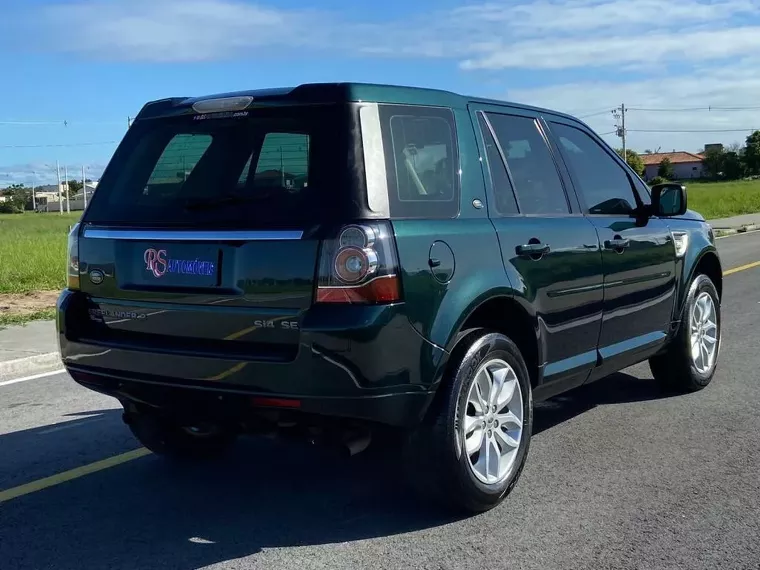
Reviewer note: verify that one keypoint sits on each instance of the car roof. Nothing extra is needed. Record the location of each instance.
(323, 93)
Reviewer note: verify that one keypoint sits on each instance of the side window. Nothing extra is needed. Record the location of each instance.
(178, 160)
(502, 187)
(536, 181)
(604, 184)
(422, 161)
(283, 162)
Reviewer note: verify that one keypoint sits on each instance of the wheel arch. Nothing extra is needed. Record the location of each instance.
(709, 264)
(506, 315)
(705, 262)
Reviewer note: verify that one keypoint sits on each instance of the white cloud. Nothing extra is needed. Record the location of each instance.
(544, 34)
(688, 52)
(39, 174)
(734, 85)
(644, 49)
(180, 30)
(542, 17)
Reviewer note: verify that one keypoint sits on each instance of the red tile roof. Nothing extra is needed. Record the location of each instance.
(675, 157)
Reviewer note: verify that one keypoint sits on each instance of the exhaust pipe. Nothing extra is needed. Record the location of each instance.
(355, 443)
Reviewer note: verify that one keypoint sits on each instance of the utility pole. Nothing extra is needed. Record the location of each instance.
(60, 188)
(66, 175)
(622, 113)
(619, 114)
(34, 200)
(84, 188)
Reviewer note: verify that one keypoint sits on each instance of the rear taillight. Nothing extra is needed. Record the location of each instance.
(360, 266)
(72, 271)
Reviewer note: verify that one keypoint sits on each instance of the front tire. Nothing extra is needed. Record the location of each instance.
(470, 451)
(164, 437)
(689, 363)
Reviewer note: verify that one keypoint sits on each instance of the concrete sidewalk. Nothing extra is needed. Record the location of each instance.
(33, 349)
(28, 349)
(748, 222)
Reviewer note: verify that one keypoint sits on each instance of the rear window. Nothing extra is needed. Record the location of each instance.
(422, 161)
(273, 167)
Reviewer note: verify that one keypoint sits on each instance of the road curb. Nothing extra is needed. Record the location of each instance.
(38, 363)
(722, 232)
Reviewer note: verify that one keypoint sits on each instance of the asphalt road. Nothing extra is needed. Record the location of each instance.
(618, 477)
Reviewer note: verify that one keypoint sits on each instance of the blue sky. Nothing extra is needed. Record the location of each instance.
(93, 63)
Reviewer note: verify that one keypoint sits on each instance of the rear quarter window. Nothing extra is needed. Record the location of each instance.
(422, 161)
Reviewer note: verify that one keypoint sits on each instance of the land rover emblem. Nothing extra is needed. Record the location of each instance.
(96, 276)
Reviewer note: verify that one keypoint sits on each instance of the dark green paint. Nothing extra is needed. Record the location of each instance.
(592, 310)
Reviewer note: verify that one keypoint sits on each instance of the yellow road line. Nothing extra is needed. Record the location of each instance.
(742, 268)
(237, 335)
(75, 473)
(229, 372)
(78, 472)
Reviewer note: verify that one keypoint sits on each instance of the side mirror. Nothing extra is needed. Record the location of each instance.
(668, 199)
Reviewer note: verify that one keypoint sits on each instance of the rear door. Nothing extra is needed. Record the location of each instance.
(203, 234)
(549, 249)
(638, 250)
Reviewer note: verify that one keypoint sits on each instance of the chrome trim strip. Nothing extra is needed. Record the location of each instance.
(191, 235)
(374, 158)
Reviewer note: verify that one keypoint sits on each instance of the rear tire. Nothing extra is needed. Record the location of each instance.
(689, 363)
(169, 439)
(466, 455)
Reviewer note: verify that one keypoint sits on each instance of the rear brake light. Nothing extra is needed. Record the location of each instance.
(275, 402)
(72, 270)
(222, 104)
(360, 266)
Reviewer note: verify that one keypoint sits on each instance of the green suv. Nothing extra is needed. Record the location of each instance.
(343, 262)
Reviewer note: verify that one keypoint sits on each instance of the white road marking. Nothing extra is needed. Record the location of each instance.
(34, 377)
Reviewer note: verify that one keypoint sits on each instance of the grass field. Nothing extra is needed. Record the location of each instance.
(33, 246)
(33, 251)
(724, 199)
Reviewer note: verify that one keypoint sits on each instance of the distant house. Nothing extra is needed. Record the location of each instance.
(49, 199)
(685, 164)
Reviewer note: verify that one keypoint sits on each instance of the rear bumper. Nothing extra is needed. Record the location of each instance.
(364, 363)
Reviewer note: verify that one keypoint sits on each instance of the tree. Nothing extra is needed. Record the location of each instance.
(633, 159)
(735, 147)
(666, 169)
(733, 166)
(75, 187)
(752, 153)
(16, 198)
(713, 163)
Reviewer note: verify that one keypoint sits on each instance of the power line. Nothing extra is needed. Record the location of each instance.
(15, 123)
(62, 122)
(692, 130)
(594, 114)
(56, 145)
(690, 109)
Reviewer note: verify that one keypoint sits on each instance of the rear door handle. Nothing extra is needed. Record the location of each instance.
(533, 249)
(616, 244)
